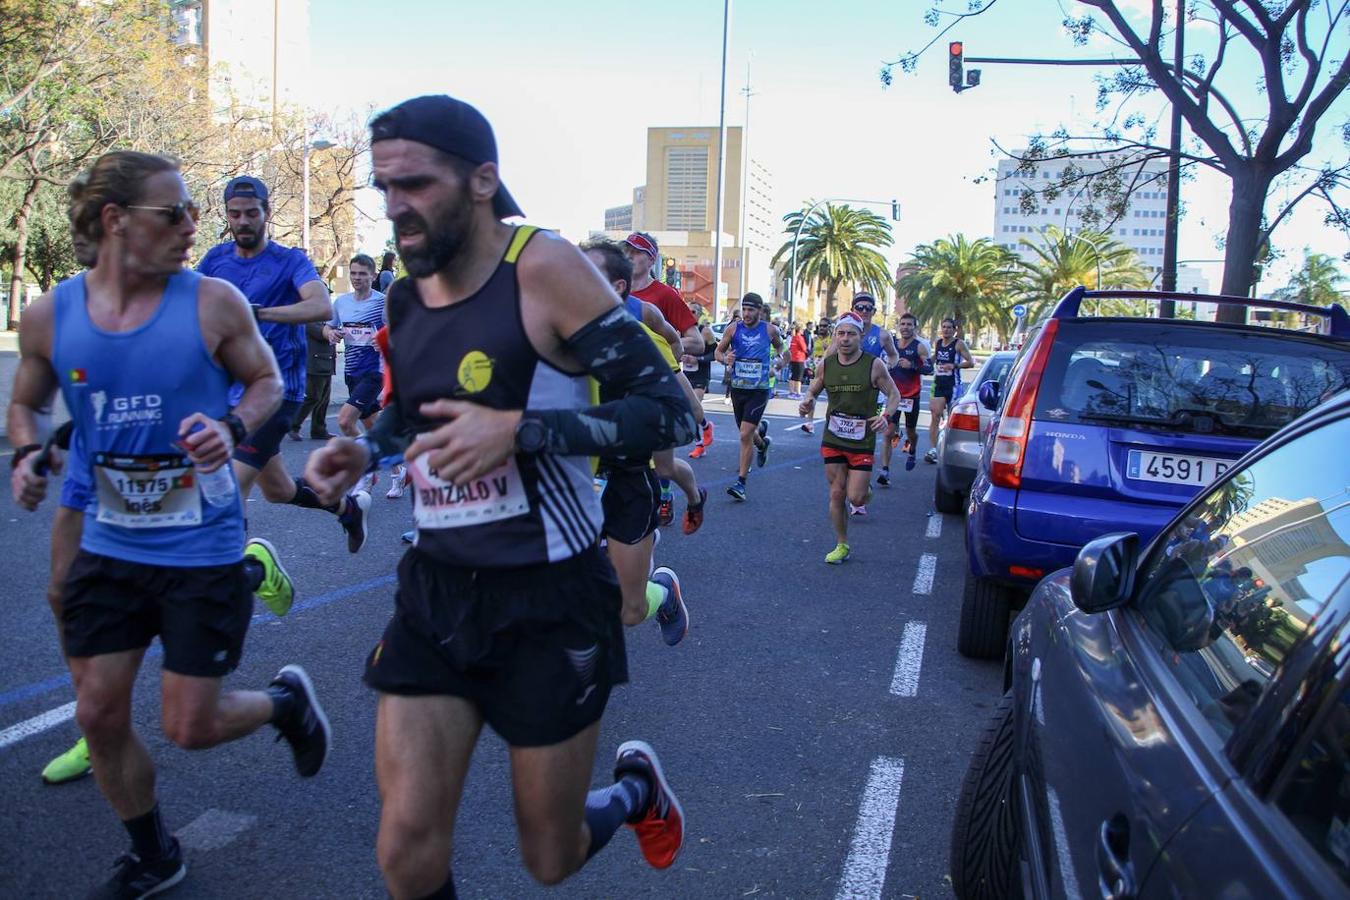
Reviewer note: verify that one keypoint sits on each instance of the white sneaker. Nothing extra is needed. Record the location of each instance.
(397, 481)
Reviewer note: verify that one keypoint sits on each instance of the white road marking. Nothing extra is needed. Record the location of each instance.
(214, 829)
(934, 526)
(865, 869)
(923, 581)
(905, 682)
(36, 725)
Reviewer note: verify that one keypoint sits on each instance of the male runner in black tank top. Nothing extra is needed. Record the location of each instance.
(507, 613)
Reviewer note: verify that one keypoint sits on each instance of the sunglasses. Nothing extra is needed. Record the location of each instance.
(174, 214)
(865, 308)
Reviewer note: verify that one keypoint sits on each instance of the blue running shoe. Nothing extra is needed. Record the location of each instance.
(763, 451)
(673, 616)
(737, 491)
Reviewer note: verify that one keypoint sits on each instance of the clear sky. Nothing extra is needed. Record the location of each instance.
(571, 88)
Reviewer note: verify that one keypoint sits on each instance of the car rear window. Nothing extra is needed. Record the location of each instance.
(1194, 379)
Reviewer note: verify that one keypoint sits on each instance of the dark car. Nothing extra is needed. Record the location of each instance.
(963, 435)
(1115, 423)
(1177, 720)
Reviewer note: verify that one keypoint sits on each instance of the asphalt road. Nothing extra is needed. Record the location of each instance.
(815, 723)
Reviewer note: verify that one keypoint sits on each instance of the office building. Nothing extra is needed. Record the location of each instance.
(257, 51)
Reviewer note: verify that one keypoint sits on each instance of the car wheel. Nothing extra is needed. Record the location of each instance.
(984, 619)
(946, 501)
(984, 836)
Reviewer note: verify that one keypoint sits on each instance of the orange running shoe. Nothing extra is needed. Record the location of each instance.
(693, 514)
(707, 432)
(660, 831)
(698, 451)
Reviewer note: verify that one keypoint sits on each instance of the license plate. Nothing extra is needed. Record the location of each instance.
(1174, 468)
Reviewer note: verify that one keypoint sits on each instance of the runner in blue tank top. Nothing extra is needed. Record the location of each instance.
(746, 348)
(285, 292)
(156, 558)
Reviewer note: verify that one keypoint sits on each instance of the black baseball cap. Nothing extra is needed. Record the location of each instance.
(451, 126)
(752, 299)
(245, 186)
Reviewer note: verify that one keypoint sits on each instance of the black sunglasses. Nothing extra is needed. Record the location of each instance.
(863, 307)
(174, 214)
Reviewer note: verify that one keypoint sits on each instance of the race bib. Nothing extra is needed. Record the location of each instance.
(906, 404)
(944, 368)
(747, 373)
(689, 366)
(146, 491)
(847, 428)
(500, 494)
(358, 334)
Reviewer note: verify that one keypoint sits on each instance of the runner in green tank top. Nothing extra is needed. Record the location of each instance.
(849, 440)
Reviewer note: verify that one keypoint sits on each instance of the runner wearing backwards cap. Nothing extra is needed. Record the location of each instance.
(851, 377)
(744, 350)
(285, 292)
(507, 613)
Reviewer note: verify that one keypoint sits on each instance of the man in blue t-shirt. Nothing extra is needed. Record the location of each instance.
(285, 292)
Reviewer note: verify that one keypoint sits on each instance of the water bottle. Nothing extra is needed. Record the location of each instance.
(218, 487)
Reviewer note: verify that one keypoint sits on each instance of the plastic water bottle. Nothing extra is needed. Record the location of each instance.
(218, 487)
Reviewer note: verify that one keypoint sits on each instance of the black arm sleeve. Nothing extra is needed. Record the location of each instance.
(652, 413)
(389, 436)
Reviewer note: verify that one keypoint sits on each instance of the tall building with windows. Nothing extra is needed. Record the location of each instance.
(257, 51)
(677, 204)
(1141, 227)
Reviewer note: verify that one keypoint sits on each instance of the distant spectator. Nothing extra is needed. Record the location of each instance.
(796, 362)
(386, 276)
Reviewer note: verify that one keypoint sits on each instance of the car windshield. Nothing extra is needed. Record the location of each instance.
(1188, 378)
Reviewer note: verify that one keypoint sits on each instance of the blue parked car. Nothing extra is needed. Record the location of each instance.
(1111, 423)
(1177, 715)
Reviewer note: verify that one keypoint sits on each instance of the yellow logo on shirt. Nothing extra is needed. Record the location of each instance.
(475, 371)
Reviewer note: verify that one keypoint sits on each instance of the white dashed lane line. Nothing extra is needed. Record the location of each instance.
(923, 580)
(905, 682)
(37, 724)
(870, 853)
(934, 525)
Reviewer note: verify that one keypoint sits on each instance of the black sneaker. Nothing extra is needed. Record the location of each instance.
(135, 877)
(306, 728)
(884, 479)
(764, 451)
(353, 520)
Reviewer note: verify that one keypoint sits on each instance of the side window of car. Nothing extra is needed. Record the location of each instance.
(1232, 587)
(1313, 791)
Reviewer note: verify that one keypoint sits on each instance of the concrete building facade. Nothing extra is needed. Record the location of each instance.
(257, 51)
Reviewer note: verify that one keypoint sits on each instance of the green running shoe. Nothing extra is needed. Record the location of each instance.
(276, 591)
(837, 555)
(72, 764)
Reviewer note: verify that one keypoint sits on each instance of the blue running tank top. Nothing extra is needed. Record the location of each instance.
(750, 370)
(871, 342)
(127, 392)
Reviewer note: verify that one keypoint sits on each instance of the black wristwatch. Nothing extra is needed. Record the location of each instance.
(21, 452)
(238, 430)
(530, 435)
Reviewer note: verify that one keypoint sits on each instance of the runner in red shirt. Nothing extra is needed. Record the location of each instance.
(797, 362)
(643, 253)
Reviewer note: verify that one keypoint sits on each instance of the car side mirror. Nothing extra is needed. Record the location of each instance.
(1103, 573)
(988, 394)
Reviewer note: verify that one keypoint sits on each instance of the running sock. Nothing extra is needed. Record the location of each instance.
(625, 800)
(445, 891)
(283, 703)
(307, 499)
(149, 838)
(656, 598)
(740, 479)
(253, 571)
(666, 493)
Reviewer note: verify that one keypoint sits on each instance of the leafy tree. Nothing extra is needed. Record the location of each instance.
(970, 281)
(838, 244)
(1257, 139)
(1316, 282)
(1065, 260)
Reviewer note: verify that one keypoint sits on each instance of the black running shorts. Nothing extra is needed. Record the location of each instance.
(363, 392)
(265, 442)
(631, 503)
(911, 418)
(201, 613)
(536, 649)
(748, 406)
(700, 379)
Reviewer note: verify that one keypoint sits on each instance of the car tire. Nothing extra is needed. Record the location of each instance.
(984, 851)
(983, 630)
(946, 501)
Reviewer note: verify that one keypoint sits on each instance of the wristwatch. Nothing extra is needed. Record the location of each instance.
(238, 430)
(530, 435)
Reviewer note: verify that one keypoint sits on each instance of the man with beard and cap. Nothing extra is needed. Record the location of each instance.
(744, 350)
(285, 292)
(851, 378)
(507, 612)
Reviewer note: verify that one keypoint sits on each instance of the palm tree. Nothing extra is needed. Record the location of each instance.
(838, 244)
(1315, 283)
(970, 281)
(1066, 260)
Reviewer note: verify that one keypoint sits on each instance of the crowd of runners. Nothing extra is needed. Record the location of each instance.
(529, 393)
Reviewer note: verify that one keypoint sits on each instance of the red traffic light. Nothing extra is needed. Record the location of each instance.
(955, 48)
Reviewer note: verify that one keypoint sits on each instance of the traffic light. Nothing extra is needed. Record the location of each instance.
(955, 58)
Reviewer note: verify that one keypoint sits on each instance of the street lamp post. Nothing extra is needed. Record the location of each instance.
(317, 144)
(797, 236)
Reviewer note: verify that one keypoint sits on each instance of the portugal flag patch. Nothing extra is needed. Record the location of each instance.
(77, 376)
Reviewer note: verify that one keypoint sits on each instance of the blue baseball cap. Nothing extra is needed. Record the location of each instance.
(245, 186)
(451, 126)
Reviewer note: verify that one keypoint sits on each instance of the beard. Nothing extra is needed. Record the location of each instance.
(248, 240)
(443, 240)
